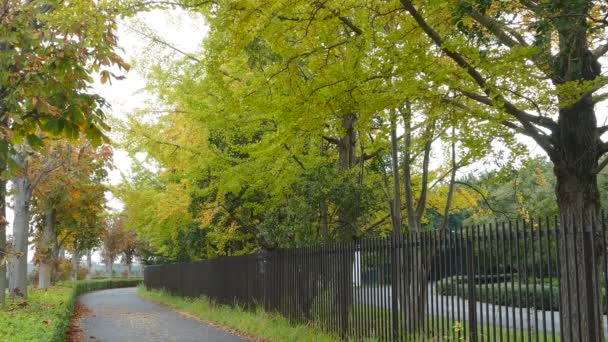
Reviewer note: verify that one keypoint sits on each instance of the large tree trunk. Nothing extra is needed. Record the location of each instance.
(20, 235)
(347, 148)
(347, 229)
(47, 251)
(575, 159)
(579, 202)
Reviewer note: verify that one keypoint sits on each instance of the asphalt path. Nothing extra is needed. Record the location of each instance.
(122, 316)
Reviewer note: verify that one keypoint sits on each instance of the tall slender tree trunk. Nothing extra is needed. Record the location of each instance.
(416, 272)
(89, 264)
(75, 264)
(47, 250)
(109, 268)
(396, 220)
(3, 222)
(21, 223)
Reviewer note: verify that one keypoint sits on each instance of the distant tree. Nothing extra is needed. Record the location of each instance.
(112, 242)
(49, 52)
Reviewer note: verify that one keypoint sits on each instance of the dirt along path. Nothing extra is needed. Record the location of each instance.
(119, 315)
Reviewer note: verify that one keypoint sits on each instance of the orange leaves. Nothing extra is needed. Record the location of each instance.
(75, 194)
(44, 107)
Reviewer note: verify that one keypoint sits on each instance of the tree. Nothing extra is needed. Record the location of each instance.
(130, 250)
(25, 180)
(48, 53)
(549, 94)
(112, 243)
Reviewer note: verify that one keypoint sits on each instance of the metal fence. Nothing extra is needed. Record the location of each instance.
(495, 282)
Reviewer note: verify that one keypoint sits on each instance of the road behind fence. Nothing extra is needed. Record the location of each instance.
(496, 282)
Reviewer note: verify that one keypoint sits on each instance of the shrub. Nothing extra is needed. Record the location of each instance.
(542, 295)
(46, 314)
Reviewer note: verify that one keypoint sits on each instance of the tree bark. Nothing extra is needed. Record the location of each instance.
(579, 203)
(109, 268)
(575, 160)
(47, 251)
(20, 232)
(75, 264)
(3, 255)
(347, 147)
(89, 264)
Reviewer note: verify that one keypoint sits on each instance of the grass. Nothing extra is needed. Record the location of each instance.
(259, 323)
(46, 314)
(442, 329)
(274, 327)
(38, 318)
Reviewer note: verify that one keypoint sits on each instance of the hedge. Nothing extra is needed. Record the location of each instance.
(541, 296)
(46, 314)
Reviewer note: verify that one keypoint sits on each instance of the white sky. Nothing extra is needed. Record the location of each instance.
(184, 31)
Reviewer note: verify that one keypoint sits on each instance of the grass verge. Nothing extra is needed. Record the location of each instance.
(45, 315)
(259, 323)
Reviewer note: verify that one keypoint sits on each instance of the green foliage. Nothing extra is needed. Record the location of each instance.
(49, 52)
(46, 314)
(541, 295)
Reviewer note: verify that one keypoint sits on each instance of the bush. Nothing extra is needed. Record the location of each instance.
(46, 314)
(516, 293)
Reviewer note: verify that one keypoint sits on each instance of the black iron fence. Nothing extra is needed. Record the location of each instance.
(518, 281)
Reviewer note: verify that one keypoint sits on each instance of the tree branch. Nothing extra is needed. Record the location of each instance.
(497, 100)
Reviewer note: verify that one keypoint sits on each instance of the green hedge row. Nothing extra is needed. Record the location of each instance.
(541, 296)
(45, 316)
(78, 288)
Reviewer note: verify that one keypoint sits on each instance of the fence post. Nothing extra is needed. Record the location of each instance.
(343, 258)
(395, 267)
(471, 290)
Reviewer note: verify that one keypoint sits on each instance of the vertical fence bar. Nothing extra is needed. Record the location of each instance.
(441, 279)
(463, 282)
(543, 305)
(550, 273)
(450, 282)
(470, 256)
(394, 287)
(527, 278)
(483, 283)
(604, 246)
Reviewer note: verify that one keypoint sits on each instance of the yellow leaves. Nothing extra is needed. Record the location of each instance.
(75, 194)
(105, 76)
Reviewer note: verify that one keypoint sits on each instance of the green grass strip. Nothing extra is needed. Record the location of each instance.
(259, 323)
(45, 316)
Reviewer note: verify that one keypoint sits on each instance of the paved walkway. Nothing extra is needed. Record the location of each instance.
(120, 315)
(456, 308)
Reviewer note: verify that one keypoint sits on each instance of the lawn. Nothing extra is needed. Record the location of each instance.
(45, 315)
(259, 323)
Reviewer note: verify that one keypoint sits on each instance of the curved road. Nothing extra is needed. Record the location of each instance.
(120, 315)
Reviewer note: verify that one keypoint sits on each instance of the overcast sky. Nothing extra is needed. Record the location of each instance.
(182, 30)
